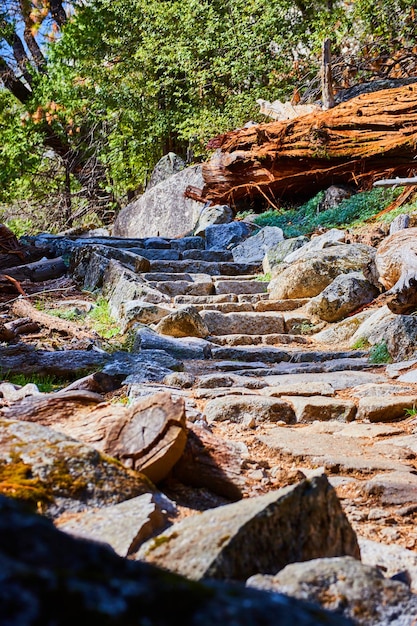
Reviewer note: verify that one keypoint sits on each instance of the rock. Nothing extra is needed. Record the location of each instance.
(391, 559)
(338, 447)
(314, 271)
(170, 164)
(213, 381)
(383, 389)
(276, 255)
(55, 473)
(147, 365)
(344, 295)
(253, 249)
(185, 322)
(334, 195)
(179, 379)
(344, 330)
(212, 215)
(392, 256)
(400, 337)
(399, 223)
(211, 462)
(338, 380)
(394, 370)
(123, 526)
(373, 329)
(162, 210)
(85, 582)
(393, 488)
(225, 236)
(187, 348)
(385, 408)
(244, 409)
(347, 587)
(12, 393)
(239, 287)
(305, 521)
(138, 311)
(242, 323)
(308, 409)
(121, 285)
(330, 238)
(306, 389)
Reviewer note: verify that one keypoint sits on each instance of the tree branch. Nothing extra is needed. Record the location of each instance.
(13, 84)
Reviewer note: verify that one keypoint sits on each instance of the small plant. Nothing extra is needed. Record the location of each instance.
(361, 344)
(45, 383)
(264, 278)
(379, 353)
(411, 412)
(102, 321)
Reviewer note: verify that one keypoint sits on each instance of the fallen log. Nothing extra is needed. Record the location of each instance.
(23, 308)
(45, 269)
(369, 137)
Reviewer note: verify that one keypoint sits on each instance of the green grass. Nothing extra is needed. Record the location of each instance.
(353, 211)
(101, 320)
(44, 382)
(411, 412)
(263, 278)
(379, 353)
(361, 344)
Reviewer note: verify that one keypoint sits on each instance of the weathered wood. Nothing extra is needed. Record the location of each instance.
(396, 182)
(371, 136)
(23, 308)
(24, 359)
(327, 95)
(149, 436)
(39, 271)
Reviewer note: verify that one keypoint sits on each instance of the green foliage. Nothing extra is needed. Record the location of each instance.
(411, 412)
(264, 278)
(350, 212)
(102, 321)
(361, 344)
(44, 382)
(379, 353)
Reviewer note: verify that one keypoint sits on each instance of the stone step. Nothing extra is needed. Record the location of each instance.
(215, 256)
(175, 288)
(240, 286)
(243, 323)
(285, 368)
(276, 355)
(252, 340)
(226, 307)
(252, 297)
(171, 276)
(212, 299)
(279, 305)
(204, 267)
(160, 254)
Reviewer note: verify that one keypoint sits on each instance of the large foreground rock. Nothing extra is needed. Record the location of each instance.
(347, 293)
(347, 587)
(163, 210)
(260, 535)
(55, 473)
(395, 256)
(81, 582)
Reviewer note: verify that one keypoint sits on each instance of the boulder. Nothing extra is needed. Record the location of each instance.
(398, 332)
(399, 223)
(395, 256)
(163, 210)
(308, 409)
(393, 560)
(276, 255)
(385, 408)
(122, 285)
(253, 249)
(212, 215)
(248, 410)
(347, 293)
(54, 473)
(334, 195)
(257, 535)
(138, 311)
(168, 165)
(123, 526)
(185, 322)
(226, 236)
(344, 330)
(373, 327)
(85, 582)
(307, 276)
(346, 587)
(332, 237)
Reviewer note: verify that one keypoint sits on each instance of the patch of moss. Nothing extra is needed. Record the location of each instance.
(18, 482)
(62, 480)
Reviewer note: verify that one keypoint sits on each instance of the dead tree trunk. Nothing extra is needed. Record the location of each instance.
(369, 137)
